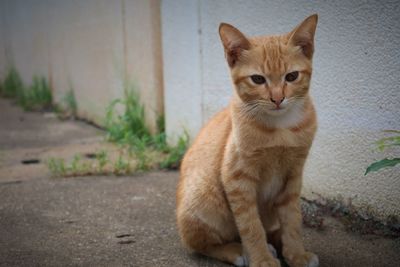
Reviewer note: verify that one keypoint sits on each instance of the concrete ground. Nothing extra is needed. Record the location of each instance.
(114, 221)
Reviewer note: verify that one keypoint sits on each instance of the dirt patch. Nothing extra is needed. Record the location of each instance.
(316, 211)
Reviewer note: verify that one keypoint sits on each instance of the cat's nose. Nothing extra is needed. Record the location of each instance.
(277, 100)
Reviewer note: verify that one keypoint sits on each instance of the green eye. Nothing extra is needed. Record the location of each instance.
(290, 77)
(258, 79)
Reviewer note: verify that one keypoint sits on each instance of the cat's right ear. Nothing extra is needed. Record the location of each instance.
(303, 35)
(234, 42)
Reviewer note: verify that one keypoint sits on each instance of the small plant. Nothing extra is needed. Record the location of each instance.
(125, 125)
(121, 166)
(38, 96)
(176, 153)
(100, 164)
(70, 103)
(129, 129)
(102, 160)
(382, 144)
(68, 108)
(12, 86)
(75, 164)
(57, 167)
(143, 158)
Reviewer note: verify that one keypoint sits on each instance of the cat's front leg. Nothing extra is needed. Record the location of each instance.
(241, 193)
(290, 219)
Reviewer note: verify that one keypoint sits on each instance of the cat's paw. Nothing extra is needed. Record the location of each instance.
(313, 262)
(272, 250)
(241, 261)
(266, 263)
(307, 259)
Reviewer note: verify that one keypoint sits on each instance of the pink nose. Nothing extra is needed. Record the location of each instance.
(277, 101)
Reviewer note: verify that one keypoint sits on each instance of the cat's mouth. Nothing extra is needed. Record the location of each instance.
(277, 111)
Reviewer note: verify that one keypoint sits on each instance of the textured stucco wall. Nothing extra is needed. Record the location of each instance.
(87, 52)
(27, 48)
(182, 67)
(88, 46)
(2, 44)
(355, 82)
(144, 54)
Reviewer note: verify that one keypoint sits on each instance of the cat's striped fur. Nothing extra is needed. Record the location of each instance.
(241, 180)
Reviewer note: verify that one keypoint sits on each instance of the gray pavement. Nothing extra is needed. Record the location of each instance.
(115, 221)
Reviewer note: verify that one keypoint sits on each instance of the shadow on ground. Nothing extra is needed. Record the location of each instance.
(115, 221)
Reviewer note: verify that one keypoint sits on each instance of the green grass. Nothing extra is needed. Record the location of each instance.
(102, 159)
(37, 97)
(57, 167)
(71, 106)
(128, 128)
(125, 125)
(175, 153)
(12, 85)
(383, 143)
(122, 166)
(100, 165)
(68, 107)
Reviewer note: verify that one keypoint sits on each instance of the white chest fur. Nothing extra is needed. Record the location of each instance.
(290, 118)
(270, 188)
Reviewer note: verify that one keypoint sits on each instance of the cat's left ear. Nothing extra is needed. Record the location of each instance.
(303, 35)
(234, 42)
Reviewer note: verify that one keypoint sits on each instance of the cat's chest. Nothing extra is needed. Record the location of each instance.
(274, 165)
(270, 188)
(256, 140)
(276, 161)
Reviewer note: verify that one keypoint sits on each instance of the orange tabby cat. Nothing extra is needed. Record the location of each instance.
(241, 179)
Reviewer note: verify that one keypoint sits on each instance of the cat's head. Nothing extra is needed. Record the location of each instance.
(271, 73)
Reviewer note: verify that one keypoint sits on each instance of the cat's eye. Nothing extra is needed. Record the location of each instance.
(258, 79)
(292, 76)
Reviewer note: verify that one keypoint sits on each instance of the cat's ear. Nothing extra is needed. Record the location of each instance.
(234, 42)
(303, 35)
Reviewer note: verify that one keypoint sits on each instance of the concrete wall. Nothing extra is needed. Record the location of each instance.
(89, 46)
(182, 67)
(2, 43)
(355, 83)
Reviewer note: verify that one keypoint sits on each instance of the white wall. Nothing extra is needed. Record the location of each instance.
(86, 41)
(2, 37)
(88, 46)
(24, 46)
(182, 67)
(355, 82)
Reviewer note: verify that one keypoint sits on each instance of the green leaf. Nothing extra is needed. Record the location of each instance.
(382, 164)
(388, 142)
